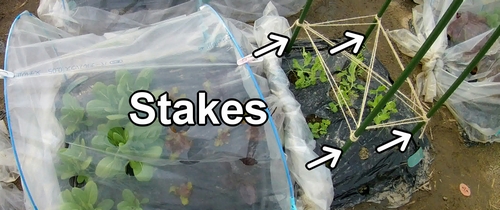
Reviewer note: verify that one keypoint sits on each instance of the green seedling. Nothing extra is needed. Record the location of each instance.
(72, 115)
(333, 107)
(112, 101)
(319, 129)
(130, 202)
(389, 108)
(348, 88)
(74, 161)
(125, 145)
(307, 74)
(86, 199)
(183, 191)
(492, 17)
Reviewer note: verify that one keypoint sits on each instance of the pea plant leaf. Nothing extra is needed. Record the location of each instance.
(314, 129)
(307, 72)
(333, 107)
(323, 129)
(307, 57)
(296, 65)
(322, 72)
(349, 90)
(389, 108)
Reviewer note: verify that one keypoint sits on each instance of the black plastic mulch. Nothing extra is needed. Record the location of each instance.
(355, 180)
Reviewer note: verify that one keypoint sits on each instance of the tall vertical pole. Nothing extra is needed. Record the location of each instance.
(482, 52)
(379, 15)
(436, 32)
(296, 30)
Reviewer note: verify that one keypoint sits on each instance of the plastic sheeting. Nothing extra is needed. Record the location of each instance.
(11, 198)
(362, 175)
(79, 16)
(475, 103)
(66, 106)
(315, 186)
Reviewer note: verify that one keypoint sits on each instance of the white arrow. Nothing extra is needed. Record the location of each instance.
(278, 43)
(356, 40)
(334, 155)
(402, 138)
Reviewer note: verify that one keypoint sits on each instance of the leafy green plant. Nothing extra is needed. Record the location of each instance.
(123, 144)
(319, 128)
(74, 161)
(492, 17)
(72, 115)
(112, 101)
(126, 144)
(388, 109)
(183, 191)
(348, 88)
(307, 72)
(333, 107)
(86, 199)
(130, 202)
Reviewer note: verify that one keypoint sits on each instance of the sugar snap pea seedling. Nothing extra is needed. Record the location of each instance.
(309, 71)
(319, 129)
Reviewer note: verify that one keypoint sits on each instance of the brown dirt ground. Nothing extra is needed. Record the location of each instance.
(454, 162)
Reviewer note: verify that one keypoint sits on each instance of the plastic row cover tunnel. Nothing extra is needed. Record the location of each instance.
(73, 15)
(10, 196)
(67, 109)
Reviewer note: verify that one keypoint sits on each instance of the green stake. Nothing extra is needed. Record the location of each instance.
(450, 12)
(461, 78)
(296, 30)
(379, 15)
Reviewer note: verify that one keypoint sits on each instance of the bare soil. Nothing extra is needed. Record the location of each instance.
(454, 162)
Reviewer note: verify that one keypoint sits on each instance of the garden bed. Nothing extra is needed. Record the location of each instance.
(76, 147)
(226, 167)
(362, 174)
